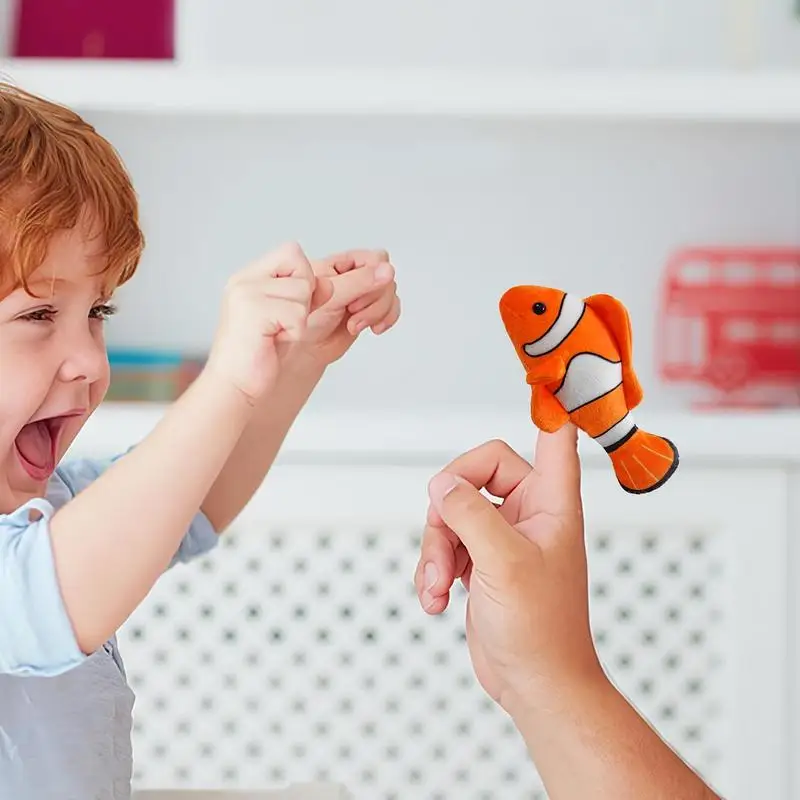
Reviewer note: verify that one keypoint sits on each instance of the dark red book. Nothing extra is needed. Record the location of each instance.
(129, 29)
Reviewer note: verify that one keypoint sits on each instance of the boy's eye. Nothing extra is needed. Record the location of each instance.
(40, 315)
(103, 311)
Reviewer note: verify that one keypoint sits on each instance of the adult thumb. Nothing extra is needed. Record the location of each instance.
(489, 539)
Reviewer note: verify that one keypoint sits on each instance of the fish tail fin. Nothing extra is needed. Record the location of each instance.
(644, 461)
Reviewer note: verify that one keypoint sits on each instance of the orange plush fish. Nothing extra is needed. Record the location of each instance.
(577, 356)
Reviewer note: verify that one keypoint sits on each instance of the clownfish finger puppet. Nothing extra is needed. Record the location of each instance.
(577, 356)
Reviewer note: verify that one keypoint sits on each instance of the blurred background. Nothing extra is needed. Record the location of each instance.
(650, 151)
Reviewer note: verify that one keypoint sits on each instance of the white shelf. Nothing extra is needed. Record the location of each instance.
(395, 437)
(158, 88)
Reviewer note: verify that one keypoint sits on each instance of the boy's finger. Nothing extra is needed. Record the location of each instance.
(390, 319)
(372, 315)
(287, 260)
(558, 471)
(365, 300)
(351, 259)
(351, 285)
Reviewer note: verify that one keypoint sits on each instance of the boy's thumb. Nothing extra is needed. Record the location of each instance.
(474, 519)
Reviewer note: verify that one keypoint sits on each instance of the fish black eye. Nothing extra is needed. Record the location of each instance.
(539, 308)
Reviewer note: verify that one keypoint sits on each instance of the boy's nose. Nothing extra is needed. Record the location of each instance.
(85, 360)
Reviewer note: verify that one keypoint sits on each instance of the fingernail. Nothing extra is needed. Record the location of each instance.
(441, 485)
(431, 575)
(383, 273)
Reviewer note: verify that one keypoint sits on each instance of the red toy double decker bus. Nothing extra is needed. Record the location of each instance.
(730, 319)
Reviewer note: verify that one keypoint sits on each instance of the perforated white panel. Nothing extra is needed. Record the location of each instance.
(300, 652)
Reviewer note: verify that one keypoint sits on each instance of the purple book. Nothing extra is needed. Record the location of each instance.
(130, 29)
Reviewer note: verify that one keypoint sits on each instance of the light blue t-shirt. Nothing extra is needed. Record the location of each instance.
(65, 718)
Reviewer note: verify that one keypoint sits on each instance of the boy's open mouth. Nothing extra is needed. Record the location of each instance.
(37, 446)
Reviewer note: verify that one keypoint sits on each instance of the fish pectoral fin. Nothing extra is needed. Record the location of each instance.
(547, 370)
(615, 317)
(546, 412)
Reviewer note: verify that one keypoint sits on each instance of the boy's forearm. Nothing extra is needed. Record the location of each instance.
(259, 444)
(116, 537)
(591, 743)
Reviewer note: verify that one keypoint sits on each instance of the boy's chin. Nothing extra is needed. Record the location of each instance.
(20, 488)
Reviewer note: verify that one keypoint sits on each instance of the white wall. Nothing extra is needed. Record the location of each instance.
(466, 211)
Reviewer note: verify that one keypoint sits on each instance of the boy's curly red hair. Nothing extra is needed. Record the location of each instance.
(54, 168)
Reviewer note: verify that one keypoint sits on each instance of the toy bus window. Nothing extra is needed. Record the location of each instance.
(785, 273)
(740, 330)
(739, 272)
(695, 272)
(785, 331)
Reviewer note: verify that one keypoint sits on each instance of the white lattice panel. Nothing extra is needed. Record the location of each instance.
(298, 650)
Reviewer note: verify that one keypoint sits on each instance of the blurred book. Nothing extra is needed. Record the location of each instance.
(147, 375)
(136, 29)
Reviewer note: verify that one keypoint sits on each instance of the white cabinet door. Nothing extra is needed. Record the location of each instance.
(302, 640)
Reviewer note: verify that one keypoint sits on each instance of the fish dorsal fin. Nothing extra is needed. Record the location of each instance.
(615, 317)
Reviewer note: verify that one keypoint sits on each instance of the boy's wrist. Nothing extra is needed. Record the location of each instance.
(221, 394)
(301, 365)
(301, 362)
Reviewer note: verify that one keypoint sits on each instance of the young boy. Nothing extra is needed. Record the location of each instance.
(81, 544)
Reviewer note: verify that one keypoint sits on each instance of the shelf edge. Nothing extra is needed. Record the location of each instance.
(401, 436)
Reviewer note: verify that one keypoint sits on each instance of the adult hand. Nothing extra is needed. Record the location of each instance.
(523, 562)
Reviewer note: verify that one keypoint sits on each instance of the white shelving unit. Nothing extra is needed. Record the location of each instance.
(324, 555)
(156, 88)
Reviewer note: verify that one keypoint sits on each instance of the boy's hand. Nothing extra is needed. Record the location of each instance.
(264, 305)
(354, 291)
(523, 563)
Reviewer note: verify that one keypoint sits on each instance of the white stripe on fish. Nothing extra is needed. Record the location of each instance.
(616, 433)
(588, 377)
(568, 317)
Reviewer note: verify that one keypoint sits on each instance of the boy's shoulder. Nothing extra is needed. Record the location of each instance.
(75, 474)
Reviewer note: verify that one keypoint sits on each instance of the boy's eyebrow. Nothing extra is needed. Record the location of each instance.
(46, 281)
(47, 285)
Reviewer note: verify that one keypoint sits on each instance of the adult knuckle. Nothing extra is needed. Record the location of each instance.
(497, 448)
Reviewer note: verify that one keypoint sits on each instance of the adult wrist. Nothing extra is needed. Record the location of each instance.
(539, 697)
